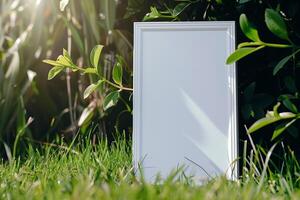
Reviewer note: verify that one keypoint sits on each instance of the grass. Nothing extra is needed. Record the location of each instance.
(104, 171)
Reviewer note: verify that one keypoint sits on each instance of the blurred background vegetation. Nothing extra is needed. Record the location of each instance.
(33, 108)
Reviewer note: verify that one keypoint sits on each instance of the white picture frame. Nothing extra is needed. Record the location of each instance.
(185, 99)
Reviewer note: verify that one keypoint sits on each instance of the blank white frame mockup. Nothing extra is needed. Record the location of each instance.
(185, 101)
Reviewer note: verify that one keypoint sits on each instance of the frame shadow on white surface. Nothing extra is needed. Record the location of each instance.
(185, 101)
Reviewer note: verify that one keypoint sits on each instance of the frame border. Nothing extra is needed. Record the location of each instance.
(140, 27)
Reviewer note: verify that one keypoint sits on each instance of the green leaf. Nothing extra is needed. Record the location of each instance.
(64, 61)
(111, 100)
(95, 55)
(154, 14)
(61, 61)
(270, 119)
(67, 55)
(262, 123)
(281, 128)
(53, 63)
(63, 4)
(86, 115)
(54, 72)
(121, 60)
(248, 29)
(241, 53)
(118, 73)
(179, 8)
(276, 24)
(289, 105)
(281, 64)
(89, 90)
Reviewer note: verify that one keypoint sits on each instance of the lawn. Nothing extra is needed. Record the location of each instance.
(104, 171)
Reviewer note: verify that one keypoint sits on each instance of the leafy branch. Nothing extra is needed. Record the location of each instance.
(272, 117)
(277, 26)
(64, 62)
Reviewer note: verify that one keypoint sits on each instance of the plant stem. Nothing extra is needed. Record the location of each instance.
(249, 44)
(118, 86)
(278, 45)
(109, 82)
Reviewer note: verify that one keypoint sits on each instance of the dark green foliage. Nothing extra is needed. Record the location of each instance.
(277, 26)
(253, 103)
